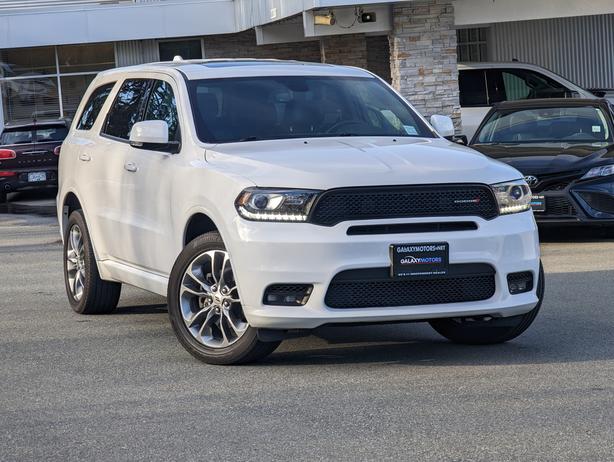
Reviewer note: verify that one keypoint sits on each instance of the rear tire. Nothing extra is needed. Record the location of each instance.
(472, 331)
(87, 292)
(205, 309)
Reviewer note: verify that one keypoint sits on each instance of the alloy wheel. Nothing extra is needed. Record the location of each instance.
(75, 262)
(209, 300)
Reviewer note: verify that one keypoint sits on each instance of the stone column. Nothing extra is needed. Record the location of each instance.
(423, 57)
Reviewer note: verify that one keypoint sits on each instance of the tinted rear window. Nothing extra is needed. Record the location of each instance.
(43, 134)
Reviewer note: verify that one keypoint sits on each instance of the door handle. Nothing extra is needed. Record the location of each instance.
(130, 166)
(85, 157)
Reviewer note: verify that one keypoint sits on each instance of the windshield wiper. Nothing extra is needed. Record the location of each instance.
(250, 138)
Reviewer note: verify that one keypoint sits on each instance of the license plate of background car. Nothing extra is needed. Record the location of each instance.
(34, 177)
(419, 260)
(538, 203)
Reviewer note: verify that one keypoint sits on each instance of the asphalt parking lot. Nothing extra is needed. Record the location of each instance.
(120, 387)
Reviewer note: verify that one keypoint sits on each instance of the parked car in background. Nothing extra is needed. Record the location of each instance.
(269, 197)
(29, 155)
(565, 150)
(485, 84)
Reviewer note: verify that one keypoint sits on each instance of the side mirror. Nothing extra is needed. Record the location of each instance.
(152, 135)
(443, 125)
(460, 139)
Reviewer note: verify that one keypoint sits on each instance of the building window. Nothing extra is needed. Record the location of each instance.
(48, 82)
(472, 44)
(187, 49)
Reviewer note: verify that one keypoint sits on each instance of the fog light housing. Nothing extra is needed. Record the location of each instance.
(519, 283)
(287, 294)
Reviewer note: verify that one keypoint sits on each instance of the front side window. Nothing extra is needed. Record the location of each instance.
(93, 106)
(126, 108)
(264, 108)
(518, 84)
(163, 106)
(577, 125)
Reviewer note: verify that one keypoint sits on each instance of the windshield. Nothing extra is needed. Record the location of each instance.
(265, 108)
(41, 135)
(584, 124)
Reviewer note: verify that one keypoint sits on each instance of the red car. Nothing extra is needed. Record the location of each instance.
(29, 155)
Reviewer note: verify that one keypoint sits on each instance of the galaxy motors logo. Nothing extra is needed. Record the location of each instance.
(411, 260)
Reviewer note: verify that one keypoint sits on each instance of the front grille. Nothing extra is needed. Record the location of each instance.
(559, 205)
(372, 288)
(370, 203)
(556, 181)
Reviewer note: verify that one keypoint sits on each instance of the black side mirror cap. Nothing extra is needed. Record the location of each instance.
(172, 147)
(460, 139)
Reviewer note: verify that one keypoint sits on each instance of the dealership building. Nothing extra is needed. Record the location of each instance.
(51, 49)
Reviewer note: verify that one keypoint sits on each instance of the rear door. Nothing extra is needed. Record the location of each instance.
(473, 99)
(102, 158)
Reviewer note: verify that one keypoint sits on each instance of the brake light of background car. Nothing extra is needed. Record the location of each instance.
(56, 150)
(5, 174)
(7, 154)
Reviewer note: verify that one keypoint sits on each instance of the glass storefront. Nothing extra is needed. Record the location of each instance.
(48, 82)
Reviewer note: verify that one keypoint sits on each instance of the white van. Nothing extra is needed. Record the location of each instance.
(482, 85)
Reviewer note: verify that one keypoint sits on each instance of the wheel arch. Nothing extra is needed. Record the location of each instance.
(70, 203)
(198, 223)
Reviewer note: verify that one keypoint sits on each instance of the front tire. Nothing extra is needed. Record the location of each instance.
(472, 331)
(205, 309)
(87, 292)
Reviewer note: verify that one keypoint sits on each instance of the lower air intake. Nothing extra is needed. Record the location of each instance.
(372, 288)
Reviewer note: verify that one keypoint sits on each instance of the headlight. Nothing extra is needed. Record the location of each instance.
(275, 204)
(512, 196)
(599, 171)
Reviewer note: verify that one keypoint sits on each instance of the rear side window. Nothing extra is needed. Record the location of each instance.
(126, 108)
(16, 137)
(162, 106)
(93, 106)
(472, 87)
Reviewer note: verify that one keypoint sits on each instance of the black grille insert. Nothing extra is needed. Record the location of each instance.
(371, 203)
(373, 287)
(559, 205)
(404, 228)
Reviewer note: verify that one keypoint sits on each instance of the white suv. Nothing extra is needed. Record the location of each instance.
(267, 198)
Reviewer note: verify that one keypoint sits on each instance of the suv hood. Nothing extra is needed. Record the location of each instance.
(325, 163)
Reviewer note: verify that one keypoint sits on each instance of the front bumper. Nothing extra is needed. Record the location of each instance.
(272, 253)
(586, 202)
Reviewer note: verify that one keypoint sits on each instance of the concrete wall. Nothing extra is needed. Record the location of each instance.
(581, 49)
(423, 56)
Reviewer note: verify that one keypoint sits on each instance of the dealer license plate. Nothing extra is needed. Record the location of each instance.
(419, 260)
(538, 203)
